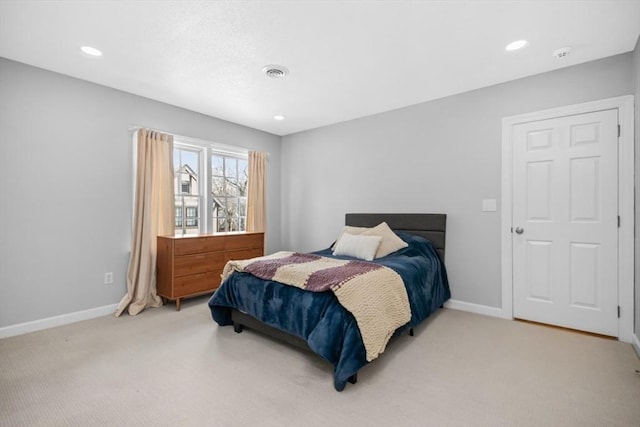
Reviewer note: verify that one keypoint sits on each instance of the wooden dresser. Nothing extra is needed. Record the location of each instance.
(191, 265)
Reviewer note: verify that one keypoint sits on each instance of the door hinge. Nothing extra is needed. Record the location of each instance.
(618, 221)
(618, 131)
(618, 312)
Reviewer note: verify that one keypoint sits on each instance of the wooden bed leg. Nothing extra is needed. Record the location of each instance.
(411, 332)
(237, 327)
(353, 378)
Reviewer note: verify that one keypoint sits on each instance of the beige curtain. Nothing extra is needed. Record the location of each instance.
(154, 215)
(256, 201)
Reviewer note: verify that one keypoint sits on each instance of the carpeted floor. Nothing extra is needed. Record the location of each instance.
(168, 368)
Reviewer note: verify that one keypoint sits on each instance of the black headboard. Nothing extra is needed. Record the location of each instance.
(430, 226)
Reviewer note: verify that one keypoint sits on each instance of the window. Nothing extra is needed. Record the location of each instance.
(192, 216)
(210, 187)
(186, 163)
(179, 216)
(229, 180)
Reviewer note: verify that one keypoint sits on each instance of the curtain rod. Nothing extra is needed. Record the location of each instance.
(134, 128)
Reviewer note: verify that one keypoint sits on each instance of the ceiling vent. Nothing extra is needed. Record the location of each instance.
(562, 53)
(275, 71)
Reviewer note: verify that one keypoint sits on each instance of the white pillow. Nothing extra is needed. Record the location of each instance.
(351, 230)
(357, 245)
(390, 240)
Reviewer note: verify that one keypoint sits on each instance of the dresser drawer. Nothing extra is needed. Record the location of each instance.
(242, 254)
(198, 263)
(197, 245)
(194, 283)
(243, 241)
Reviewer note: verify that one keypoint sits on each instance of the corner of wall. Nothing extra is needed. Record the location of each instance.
(636, 74)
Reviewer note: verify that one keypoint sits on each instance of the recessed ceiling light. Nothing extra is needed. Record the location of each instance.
(275, 71)
(518, 44)
(91, 51)
(278, 117)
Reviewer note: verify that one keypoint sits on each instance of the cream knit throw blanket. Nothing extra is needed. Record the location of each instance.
(373, 293)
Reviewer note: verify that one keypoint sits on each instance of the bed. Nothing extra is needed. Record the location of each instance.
(317, 320)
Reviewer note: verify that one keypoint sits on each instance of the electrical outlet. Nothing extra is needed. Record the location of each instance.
(108, 278)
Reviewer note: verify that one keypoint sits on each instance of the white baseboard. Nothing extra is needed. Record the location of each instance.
(635, 342)
(52, 322)
(476, 308)
(497, 312)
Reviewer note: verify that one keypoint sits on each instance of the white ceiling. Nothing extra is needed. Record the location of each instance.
(347, 59)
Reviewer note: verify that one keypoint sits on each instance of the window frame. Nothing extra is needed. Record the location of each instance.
(241, 219)
(201, 196)
(205, 151)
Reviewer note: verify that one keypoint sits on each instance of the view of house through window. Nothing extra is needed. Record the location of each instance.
(186, 186)
(210, 190)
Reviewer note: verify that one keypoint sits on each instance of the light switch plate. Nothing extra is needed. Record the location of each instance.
(489, 205)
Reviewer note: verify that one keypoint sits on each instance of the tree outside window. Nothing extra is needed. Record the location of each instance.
(229, 182)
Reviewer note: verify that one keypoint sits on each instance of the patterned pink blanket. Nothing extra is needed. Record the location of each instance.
(373, 293)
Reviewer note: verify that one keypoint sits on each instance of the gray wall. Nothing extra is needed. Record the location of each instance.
(66, 187)
(66, 178)
(439, 156)
(636, 80)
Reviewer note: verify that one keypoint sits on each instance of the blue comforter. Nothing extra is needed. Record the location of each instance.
(318, 318)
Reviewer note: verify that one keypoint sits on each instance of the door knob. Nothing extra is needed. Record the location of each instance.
(519, 230)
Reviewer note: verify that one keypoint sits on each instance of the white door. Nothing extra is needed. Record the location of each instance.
(565, 219)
